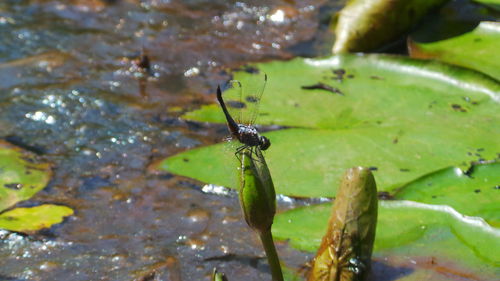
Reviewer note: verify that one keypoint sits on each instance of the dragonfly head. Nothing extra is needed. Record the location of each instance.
(264, 143)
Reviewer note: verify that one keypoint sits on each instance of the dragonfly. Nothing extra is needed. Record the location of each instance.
(243, 103)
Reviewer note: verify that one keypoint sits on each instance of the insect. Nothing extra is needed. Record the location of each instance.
(243, 128)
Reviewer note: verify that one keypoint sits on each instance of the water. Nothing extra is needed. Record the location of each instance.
(70, 91)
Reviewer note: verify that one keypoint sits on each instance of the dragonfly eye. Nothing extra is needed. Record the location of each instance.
(265, 143)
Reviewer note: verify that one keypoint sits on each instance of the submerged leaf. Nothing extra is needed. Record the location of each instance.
(34, 218)
(21, 176)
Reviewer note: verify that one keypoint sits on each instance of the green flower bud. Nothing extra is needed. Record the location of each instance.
(257, 195)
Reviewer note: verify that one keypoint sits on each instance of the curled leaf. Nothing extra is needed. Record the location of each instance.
(367, 24)
(346, 249)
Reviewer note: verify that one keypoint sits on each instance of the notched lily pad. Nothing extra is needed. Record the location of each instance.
(473, 193)
(32, 219)
(21, 176)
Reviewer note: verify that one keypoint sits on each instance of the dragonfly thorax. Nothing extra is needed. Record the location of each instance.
(248, 135)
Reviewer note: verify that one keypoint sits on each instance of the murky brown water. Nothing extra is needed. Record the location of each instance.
(69, 91)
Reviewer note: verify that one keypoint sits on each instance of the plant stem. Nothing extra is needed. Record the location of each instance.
(272, 256)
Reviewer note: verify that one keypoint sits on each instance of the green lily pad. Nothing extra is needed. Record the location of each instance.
(311, 162)
(21, 176)
(34, 218)
(477, 49)
(409, 234)
(375, 91)
(404, 117)
(474, 194)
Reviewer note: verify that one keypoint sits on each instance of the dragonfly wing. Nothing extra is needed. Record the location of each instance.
(233, 99)
(253, 88)
(242, 98)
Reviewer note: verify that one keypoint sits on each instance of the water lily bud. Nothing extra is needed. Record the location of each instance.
(257, 194)
(346, 249)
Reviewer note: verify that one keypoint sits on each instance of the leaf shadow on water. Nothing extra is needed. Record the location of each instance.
(382, 271)
(256, 262)
(10, 278)
(252, 261)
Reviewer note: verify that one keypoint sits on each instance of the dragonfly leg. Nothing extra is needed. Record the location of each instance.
(252, 152)
(239, 150)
